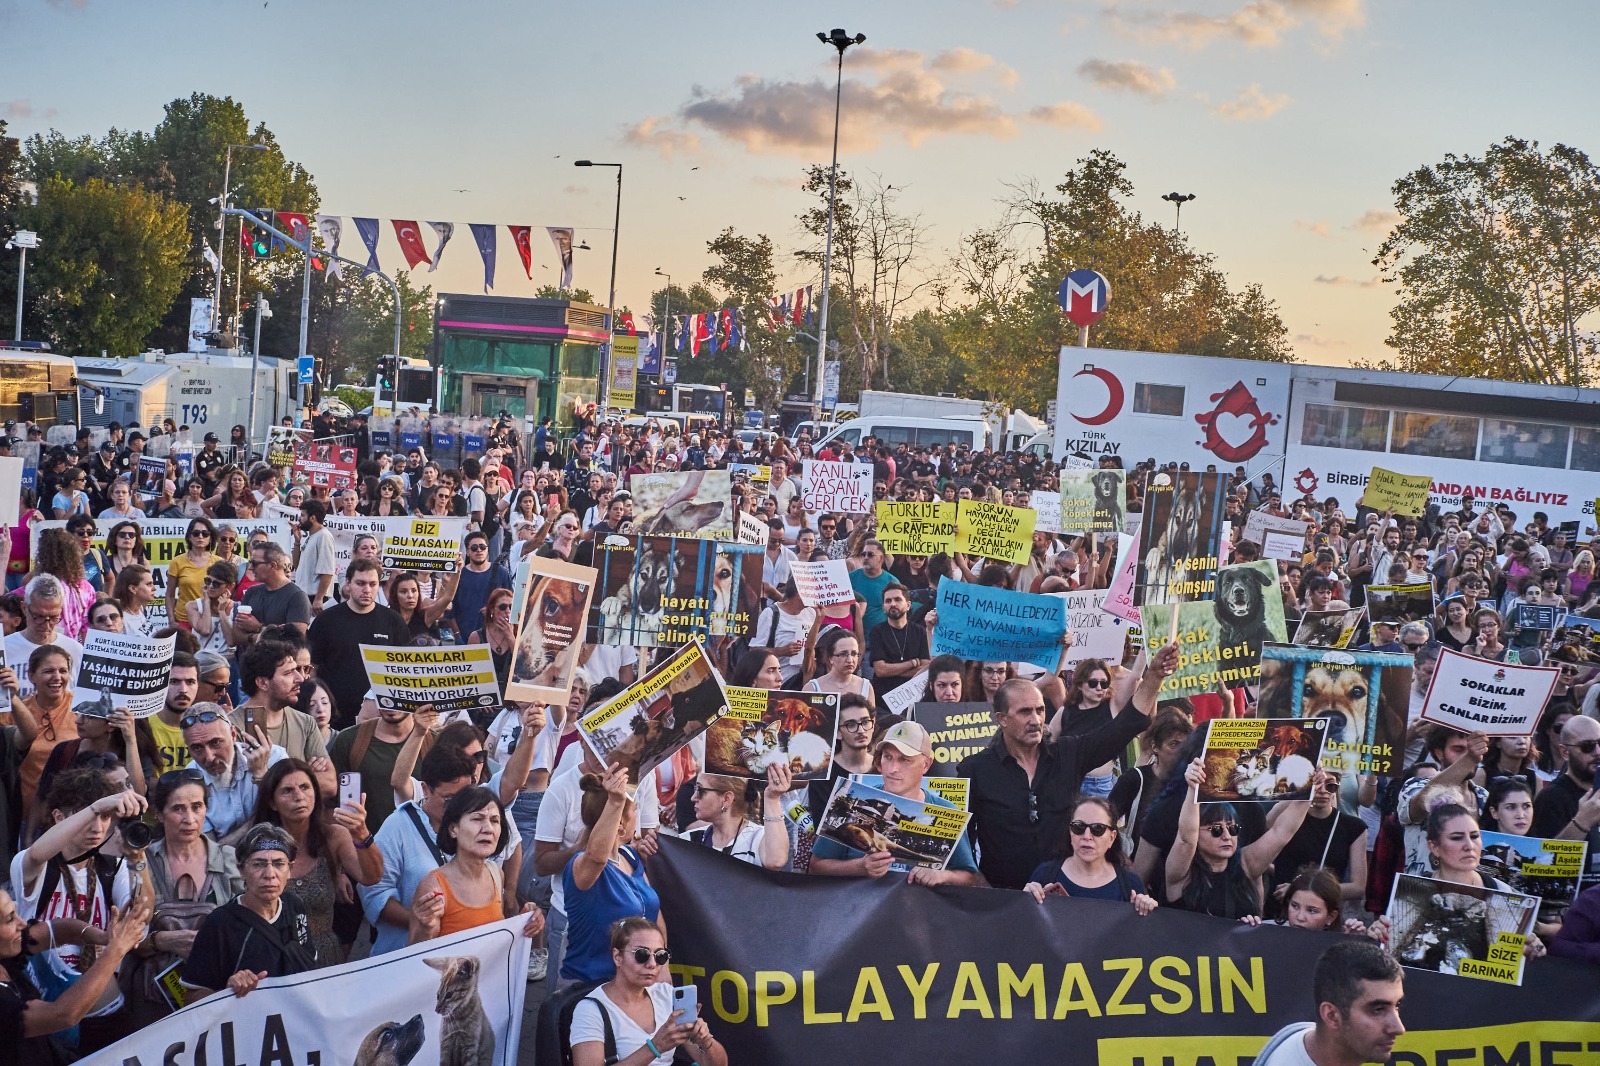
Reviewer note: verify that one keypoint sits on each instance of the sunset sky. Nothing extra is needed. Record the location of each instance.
(1289, 119)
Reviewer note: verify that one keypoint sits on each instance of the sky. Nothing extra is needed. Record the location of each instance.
(1289, 120)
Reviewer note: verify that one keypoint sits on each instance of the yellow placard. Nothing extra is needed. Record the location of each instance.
(916, 528)
(624, 372)
(995, 531)
(1397, 493)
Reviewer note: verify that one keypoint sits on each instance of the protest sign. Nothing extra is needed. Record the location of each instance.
(827, 485)
(1046, 509)
(1328, 629)
(758, 477)
(1399, 603)
(1483, 696)
(327, 464)
(822, 584)
(1402, 494)
(1260, 523)
(10, 491)
(956, 730)
(916, 528)
(642, 726)
(1549, 869)
(662, 592)
(1277, 545)
(1180, 538)
(994, 531)
(752, 530)
(1119, 597)
(550, 600)
(899, 700)
(148, 476)
(285, 444)
(984, 624)
(345, 532)
(428, 544)
(126, 671)
(1096, 632)
(380, 1010)
(1261, 760)
(1016, 980)
(1092, 501)
(688, 503)
(1219, 641)
(954, 789)
(865, 819)
(764, 728)
(1540, 616)
(1364, 695)
(1467, 930)
(456, 678)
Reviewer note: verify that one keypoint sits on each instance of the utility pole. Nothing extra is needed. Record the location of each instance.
(262, 311)
(22, 240)
(1177, 200)
(222, 227)
(841, 40)
(666, 325)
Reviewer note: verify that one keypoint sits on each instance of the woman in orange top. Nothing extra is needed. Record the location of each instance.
(467, 891)
(45, 718)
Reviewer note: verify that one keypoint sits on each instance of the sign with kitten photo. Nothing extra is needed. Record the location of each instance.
(766, 727)
(642, 726)
(1261, 760)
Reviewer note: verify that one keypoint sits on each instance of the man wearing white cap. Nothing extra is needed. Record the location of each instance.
(903, 756)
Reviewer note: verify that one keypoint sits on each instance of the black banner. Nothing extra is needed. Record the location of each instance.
(800, 970)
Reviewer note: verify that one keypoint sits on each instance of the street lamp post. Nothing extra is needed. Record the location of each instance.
(222, 225)
(841, 40)
(611, 297)
(1177, 200)
(22, 240)
(262, 311)
(666, 325)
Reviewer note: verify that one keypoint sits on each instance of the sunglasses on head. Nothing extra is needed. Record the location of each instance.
(1217, 829)
(186, 773)
(642, 956)
(1078, 827)
(189, 721)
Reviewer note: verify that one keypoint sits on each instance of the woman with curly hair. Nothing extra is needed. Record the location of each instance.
(61, 556)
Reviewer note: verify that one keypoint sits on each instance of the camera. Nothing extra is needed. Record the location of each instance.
(136, 833)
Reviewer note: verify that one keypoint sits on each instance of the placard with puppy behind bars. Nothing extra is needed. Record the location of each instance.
(1180, 537)
(662, 592)
(1364, 695)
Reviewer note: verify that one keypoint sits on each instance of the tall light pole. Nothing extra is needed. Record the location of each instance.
(841, 40)
(1177, 200)
(22, 240)
(611, 297)
(222, 225)
(666, 325)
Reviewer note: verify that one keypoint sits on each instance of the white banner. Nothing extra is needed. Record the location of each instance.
(831, 486)
(1048, 507)
(378, 1011)
(1483, 696)
(822, 584)
(1276, 544)
(122, 671)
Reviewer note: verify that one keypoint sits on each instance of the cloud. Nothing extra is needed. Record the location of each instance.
(1340, 281)
(575, 190)
(889, 93)
(654, 133)
(1260, 24)
(23, 108)
(1321, 229)
(1252, 105)
(1128, 75)
(1377, 221)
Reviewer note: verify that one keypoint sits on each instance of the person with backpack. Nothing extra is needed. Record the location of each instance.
(786, 629)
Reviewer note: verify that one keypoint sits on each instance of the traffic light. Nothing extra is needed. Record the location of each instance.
(386, 372)
(261, 240)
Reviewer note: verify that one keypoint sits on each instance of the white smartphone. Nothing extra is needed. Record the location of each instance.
(349, 790)
(687, 999)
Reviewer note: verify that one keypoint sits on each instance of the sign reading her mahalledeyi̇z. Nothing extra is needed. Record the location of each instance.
(833, 486)
(1483, 696)
(432, 544)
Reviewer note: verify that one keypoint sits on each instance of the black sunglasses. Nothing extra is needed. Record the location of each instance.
(1585, 746)
(189, 721)
(644, 955)
(1217, 829)
(1077, 828)
(1414, 647)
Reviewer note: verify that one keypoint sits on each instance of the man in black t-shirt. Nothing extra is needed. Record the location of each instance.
(208, 462)
(1569, 807)
(896, 648)
(335, 638)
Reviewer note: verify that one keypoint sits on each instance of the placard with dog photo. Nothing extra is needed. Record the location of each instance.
(1093, 501)
(1365, 695)
(1399, 603)
(765, 727)
(1261, 760)
(684, 503)
(1181, 538)
(1467, 930)
(642, 726)
(1328, 629)
(866, 819)
(550, 599)
(1220, 640)
(662, 592)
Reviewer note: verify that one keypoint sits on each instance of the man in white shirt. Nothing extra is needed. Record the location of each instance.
(776, 563)
(1358, 988)
(318, 555)
(233, 768)
(42, 602)
(782, 487)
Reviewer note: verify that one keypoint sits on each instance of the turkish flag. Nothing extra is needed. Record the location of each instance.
(410, 242)
(625, 324)
(296, 224)
(520, 236)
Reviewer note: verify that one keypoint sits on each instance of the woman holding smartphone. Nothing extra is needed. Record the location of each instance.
(635, 1008)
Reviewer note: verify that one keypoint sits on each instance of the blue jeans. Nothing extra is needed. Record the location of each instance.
(524, 811)
(555, 939)
(1098, 784)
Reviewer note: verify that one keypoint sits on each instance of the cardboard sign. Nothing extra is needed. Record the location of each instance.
(766, 728)
(1181, 538)
(10, 491)
(994, 531)
(1220, 641)
(285, 444)
(1260, 523)
(898, 700)
(458, 678)
(752, 530)
(688, 503)
(1399, 603)
(1328, 629)
(552, 600)
(1119, 597)
(1401, 494)
(1260, 760)
(642, 726)
(431, 544)
(1481, 695)
(662, 592)
(1096, 632)
(984, 624)
(1365, 695)
(834, 486)
(122, 670)
(1047, 510)
(822, 584)
(916, 528)
(1092, 501)
(956, 730)
(1276, 545)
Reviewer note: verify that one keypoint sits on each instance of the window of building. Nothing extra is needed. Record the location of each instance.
(1523, 443)
(1152, 399)
(1440, 436)
(1362, 429)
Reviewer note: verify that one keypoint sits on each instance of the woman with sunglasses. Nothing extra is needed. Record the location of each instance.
(562, 539)
(135, 592)
(186, 573)
(391, 500)
(467, 891)
(211, 616)
(1087, 709)
(723, 804)
(106, 615)
(71, 499)
(1090, 863)
(1207, 871)
(124, 547)
(497, 633)
(635, 1008)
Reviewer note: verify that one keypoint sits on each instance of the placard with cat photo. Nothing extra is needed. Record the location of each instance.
(1180, 537)
(1364, 695)
(866, 819)
(765, 727)
(1261, 760)
(643, 725)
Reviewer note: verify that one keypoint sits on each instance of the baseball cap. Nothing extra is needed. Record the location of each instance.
(107, 446)
(135, 435)
(213, 436)
(909, 738)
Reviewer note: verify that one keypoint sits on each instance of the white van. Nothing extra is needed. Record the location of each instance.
(895, 430)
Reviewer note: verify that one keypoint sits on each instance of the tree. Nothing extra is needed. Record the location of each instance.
(115, 264)
(1497, 260)
(556, 292)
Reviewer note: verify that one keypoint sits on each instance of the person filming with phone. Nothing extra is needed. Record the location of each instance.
(634, 1018)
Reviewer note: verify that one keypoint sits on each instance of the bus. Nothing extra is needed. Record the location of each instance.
(1534, 447)
(689, 405)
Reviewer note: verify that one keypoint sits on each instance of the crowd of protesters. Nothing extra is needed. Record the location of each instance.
(132, 844)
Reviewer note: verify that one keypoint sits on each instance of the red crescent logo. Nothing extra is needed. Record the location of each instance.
(1113, 399)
